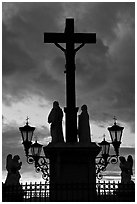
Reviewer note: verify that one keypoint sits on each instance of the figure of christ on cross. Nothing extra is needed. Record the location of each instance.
(70, 38)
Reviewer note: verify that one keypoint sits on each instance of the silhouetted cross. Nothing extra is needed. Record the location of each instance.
(70, 38)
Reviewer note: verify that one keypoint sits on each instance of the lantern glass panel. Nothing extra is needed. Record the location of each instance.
(112, 134)
(105, 148)
(30, 134)
(39, 151)
(119, 133)
(27, 135)
(36, 149)
(116, 135)
(24, 137)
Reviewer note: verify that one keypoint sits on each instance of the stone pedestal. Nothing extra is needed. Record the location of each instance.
(72, 171)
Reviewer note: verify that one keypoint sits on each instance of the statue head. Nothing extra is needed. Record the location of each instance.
(130, 158)
(84, 107)
(55, 104)
(16, 158)
(9, 156)
(122, 159)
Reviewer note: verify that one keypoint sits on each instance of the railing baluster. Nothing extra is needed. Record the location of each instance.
(109, 188)
(26, 191)
(104, 186)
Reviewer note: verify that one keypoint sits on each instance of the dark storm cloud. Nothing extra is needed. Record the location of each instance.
(92, 67)
(110, 88)
(105, 71)
(103, 18)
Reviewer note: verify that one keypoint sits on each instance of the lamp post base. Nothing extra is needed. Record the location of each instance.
(72, 171)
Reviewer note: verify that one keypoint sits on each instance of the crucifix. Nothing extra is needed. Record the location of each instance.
(70, 39)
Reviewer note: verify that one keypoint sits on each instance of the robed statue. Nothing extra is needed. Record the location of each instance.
(126, 169)
(130, 164)
(55, 119)
(84, 126)
(13, 166)
(126, 189)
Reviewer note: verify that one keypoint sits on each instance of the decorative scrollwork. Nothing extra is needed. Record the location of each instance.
(101, 164)
(104, 168)
(30, 160)
(41, 165)
(42, 161)
(37, 169)
(114, 160)
(45, 177)
(99, 176)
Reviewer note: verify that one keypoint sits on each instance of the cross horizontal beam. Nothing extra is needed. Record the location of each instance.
(74, 38)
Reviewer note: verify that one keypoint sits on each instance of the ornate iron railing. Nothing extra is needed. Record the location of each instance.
(33, 192)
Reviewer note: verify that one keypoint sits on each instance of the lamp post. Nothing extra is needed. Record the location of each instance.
(27, 135)
(116, 135)
(36, 151)
(105, 158)
(105, 146)
(42, 164)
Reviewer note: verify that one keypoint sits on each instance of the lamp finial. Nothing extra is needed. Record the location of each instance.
(27, 119)
(115, 120)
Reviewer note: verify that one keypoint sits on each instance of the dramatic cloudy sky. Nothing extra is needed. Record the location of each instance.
(33, 72)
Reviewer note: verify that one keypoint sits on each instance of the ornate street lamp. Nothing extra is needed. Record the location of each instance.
(40, 162)
(27, 135)
(116, 134)
(105, 146)
(102, 161)
(36, 149)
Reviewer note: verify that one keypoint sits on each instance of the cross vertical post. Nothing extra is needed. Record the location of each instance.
(70, 109)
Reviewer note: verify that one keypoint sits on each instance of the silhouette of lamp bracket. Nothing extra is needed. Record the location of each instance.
(102, 163)
(41, 165)
(40, 162)
(105, 158)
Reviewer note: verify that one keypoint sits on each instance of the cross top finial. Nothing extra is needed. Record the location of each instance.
(115, 120)
(27, 119)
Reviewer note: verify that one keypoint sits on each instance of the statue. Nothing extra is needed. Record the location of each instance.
(83, 126)
(55, 118)
(126, 169)
(126, 189)
(12, 185)
(13, 166)
(130, 164)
